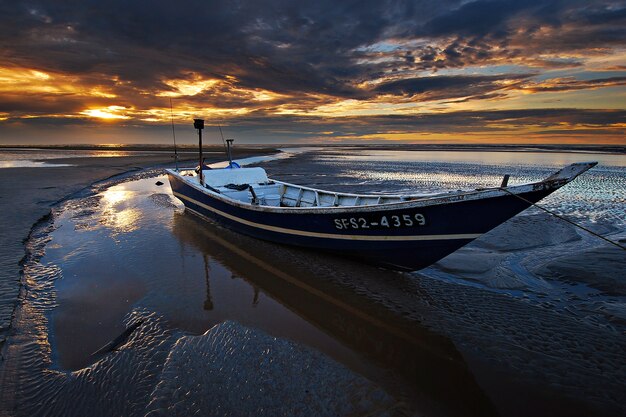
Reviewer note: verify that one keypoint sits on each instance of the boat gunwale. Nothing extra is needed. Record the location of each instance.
(431, 200)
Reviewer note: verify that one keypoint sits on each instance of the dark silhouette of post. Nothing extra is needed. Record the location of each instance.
(199, 124)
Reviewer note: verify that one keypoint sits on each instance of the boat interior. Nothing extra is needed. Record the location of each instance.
(252, 186)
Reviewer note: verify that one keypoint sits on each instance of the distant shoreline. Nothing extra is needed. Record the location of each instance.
(259, 149)
(247, 149)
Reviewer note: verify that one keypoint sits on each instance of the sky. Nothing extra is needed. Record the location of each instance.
(323, 71)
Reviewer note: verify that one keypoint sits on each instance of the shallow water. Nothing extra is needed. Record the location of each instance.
(496, 328)
(27, 163)
(18, 154)
(38, 158)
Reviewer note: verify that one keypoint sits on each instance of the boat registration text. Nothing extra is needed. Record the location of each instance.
(404, 220)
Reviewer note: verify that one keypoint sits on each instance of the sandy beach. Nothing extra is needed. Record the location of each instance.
(527, 320)
(433, 222)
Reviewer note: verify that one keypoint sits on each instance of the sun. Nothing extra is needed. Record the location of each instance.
(108, 113)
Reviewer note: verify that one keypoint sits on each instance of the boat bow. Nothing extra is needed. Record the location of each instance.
(570, 172)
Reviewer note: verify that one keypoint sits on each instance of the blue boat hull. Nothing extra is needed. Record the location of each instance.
(399, 236)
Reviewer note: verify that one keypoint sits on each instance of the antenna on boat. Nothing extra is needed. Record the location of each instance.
(229, 143)
(199, 124)
(174, 134)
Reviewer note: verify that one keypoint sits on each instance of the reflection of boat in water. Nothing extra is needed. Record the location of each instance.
(405, 232)
(428, 363)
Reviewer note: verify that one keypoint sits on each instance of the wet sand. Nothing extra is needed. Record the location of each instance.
(464, 350)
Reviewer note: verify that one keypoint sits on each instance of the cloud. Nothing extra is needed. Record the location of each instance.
(480, 18)
(280, 46)
(269, 58)
(571, 84)
(446, 87)
(505, 126)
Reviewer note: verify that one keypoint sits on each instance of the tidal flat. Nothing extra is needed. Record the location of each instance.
(530, 319)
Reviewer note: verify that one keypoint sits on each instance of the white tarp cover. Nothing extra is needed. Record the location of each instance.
(220, 177)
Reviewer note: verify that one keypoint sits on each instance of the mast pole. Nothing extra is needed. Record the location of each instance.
(174, 134)
(199, 124)
(229, 143)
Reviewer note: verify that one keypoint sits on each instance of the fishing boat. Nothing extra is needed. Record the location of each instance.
(398, 231)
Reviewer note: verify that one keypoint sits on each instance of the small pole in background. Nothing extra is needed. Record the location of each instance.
(199, 124)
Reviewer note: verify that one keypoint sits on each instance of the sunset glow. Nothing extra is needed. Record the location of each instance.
(428, 72)
(111, 112)
(189, 88)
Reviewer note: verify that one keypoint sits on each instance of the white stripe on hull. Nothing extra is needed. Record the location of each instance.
(327, 235)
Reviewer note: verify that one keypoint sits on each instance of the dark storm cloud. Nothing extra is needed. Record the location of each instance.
(283, 46)
(280, 45)
(30, 104)
(446, 87)
(499, 19)
(480, 18)
(490, 31)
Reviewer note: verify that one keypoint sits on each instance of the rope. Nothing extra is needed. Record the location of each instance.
(222, 135)
(558, 216)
